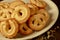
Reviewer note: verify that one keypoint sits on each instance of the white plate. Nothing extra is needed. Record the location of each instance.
(53, 11)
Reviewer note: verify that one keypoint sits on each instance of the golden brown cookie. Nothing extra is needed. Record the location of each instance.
(21, 13)
(16, 3)
(44, 13)
(5, 14)
(33, 8)
(37, 22)
(39, 3)
(4, 5)
(9, 28)
(24, 29)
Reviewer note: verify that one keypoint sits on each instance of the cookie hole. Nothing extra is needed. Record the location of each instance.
(43, 14)
(30, 8)
(20, 13)
(33, 22)
(38, 24)
(9, 28)
(41, 19)
(10, 13)
(24, 29)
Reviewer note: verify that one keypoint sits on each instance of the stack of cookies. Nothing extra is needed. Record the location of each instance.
(24, 18)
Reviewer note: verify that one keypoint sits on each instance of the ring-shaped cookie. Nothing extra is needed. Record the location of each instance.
(4, 5)
(5, 14)
(16, 3)
(21, 13)
(9, 28)
(24, 29)
(39, 3)
(37, 22)
(33, 8)
(44, 13)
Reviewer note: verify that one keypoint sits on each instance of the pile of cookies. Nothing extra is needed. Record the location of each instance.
(24, 18)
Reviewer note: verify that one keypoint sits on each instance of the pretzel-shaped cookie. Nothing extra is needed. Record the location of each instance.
(39, 3)
(37, 22)
(4, 5)
(16, 3)
(9, 28)
(21, 13)
(5, 14)
(44, 13)
(33, 8)
(24, 29)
